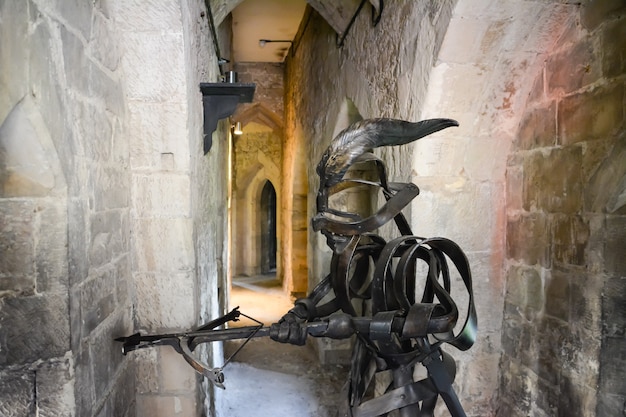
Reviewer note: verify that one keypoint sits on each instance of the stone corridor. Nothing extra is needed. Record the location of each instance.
(270, 379)
(114, 219)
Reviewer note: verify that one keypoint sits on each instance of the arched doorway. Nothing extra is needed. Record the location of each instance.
(268, 228)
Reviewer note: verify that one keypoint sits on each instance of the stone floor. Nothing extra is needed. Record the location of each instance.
(267, 378)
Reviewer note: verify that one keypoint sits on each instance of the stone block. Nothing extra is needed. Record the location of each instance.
(75, 62)
(131, 17)
(155, 129)
(16, 394)
(165, 301)
(106, 357)
(604, 192)
(51, 254)
(575, 396)
(516, 335)
(76, 321)
(528, 239)
(473, 375)
(111, 188)
(506, 409)
(77, 13)
(97, 300)
(78, 241)
(109, 236)
(537, 128)
(557, 295)
(537, 92)
(153, 66)
(166, 406)
(520, 393)
(163, 244)
(15, 49)
(614, 307)
(524, 289)
(547, 397)
(571, 69)
(550, 337)
(17, 245)
(33, 328)
(594, 14)
(507, 95)
(586, 306)
(596, 158)
(109, 90)
(147, 371)
(514, 187)
(121, 401)
(93, 131)
(614, 45)
(103, 44)
(162, 195)
(120, 153)
(84, 391)
(579, 355)
(591, 115)
(610, 405)
(615, 261)
(570, 238)
(175, 373)
(552, 181)
(55, 389)
(123, 279)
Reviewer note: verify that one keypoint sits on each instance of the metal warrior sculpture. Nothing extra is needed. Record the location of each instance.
(370, 292)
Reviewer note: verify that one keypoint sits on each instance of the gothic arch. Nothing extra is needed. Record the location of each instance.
(260, 113)
(247, 233)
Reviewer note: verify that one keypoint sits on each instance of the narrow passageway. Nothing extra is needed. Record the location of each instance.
(267, 378)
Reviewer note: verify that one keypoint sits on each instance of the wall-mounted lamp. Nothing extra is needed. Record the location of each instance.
(263, 42)
(220, 101)
(237, 129)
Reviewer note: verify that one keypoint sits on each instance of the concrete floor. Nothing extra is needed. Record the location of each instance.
(267, 378)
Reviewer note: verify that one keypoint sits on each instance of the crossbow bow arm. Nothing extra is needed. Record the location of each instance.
(186, 342)
(336, 326)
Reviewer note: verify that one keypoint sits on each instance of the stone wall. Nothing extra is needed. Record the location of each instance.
(563, 333)
(65, 271)
(112, 218)
(178, 214)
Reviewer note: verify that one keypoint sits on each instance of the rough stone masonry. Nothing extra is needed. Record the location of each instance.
(113, 221)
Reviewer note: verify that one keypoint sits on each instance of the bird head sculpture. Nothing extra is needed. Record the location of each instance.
(354, 145)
